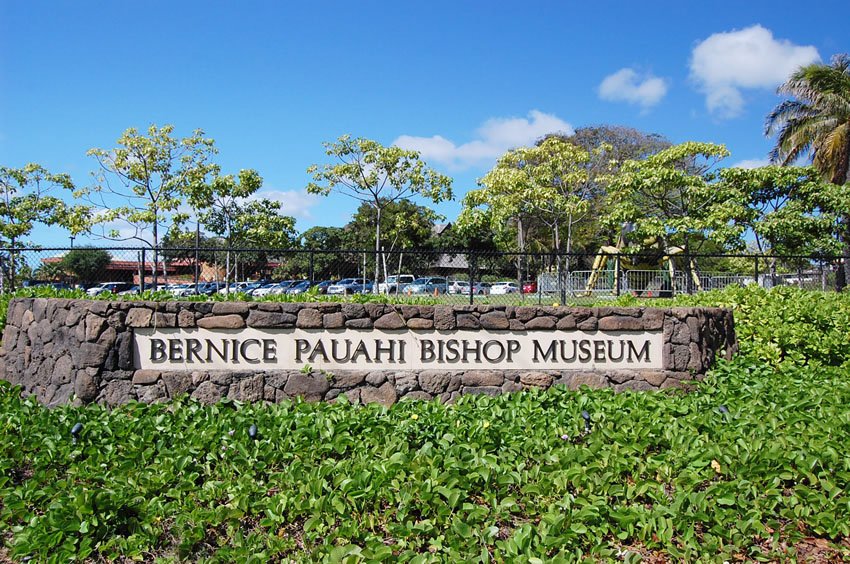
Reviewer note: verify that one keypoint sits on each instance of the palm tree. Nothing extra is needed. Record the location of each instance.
(816, 122)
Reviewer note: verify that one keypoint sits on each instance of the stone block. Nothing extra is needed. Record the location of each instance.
(406, 382)
(391, 320)
(311, 387)
(420, 324)
(86, 386)
(620, 323)
(444, 318)
(348, 378)
(230, 308)
(494, 320)
(483, 378)
(232, 321)
(590, 379)
(248, 389)
(208, 393)
(418, 395)
(536, 379)
(468, 321)
(545, 322)
(270, 319)
(384, 395)
(177, 383)
(333, 320)
(118, 392)
(144, 377)
(434, 382)
(353, 311)
(185, 318)
(309, 318)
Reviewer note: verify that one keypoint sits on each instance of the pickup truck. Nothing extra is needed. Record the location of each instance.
(396, 283)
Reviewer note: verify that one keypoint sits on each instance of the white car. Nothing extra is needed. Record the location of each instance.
(395, 283)
(109, 287)
(268, 290)
(504, 287)
(235, 288)
(459, 287)
(182, 290)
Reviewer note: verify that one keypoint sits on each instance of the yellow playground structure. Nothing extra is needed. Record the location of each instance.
(654, 257)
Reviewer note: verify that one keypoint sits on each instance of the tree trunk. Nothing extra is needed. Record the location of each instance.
(377, 245)
(155, 254)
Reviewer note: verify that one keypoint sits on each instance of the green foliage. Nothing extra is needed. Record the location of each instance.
(548, 182)
(86, 263)
(378, 176)
(150, 172)
(29, 196)
(670, 197)
(742, 468)
(789, 210)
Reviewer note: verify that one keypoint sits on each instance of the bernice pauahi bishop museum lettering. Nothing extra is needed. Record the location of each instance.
(294, 349)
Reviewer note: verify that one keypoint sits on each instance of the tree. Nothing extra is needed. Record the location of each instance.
(671, 198)
(150, 173)
(787, 209)
(609, 146)
(816, 122)
(404, 225)
(50, 271)
(28, 196)
(548, 182)
(85, 263)
(258, 225)
(318, 263)
(376, 175)
(223, 207)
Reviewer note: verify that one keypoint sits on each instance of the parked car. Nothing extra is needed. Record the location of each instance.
(130, 291)
(351, 286)
(481, 288)
(428, 285)
(110, 287)
(322, 287)
(299, 287)
(529, 287)
(395, 283)
(504, 287)
(459, 287)
(235, 288)
(270, 289)
(209, 288)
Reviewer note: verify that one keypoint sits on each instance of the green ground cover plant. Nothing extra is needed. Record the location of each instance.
(752, 465)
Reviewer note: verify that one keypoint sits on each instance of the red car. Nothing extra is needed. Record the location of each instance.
(529, 287)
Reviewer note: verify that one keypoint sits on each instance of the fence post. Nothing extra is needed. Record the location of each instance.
(470, 261)
(757, 270)
(617, 275)
(143, 265)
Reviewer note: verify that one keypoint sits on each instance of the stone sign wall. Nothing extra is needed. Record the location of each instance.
(114, 352)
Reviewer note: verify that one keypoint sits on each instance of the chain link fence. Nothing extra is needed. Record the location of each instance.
(450, 276)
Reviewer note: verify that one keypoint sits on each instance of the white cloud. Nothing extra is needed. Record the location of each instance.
(751, 163)
(750, 58)
(493, 138)
(296, 203)
(626, 85)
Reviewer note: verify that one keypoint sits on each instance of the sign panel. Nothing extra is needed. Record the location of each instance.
(329, 349)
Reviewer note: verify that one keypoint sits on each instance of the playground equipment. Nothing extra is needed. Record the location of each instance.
(653, 253)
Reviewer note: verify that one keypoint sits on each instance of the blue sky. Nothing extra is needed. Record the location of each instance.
(460, 81)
